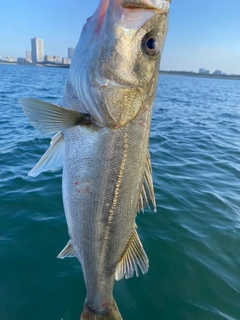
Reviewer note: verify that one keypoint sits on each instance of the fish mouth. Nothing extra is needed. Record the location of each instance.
(106, 82)
(160, 5)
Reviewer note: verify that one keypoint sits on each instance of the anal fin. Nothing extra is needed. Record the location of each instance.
(67, 251)
(133, 257)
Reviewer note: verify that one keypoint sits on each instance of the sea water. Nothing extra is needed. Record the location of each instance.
(192, 241)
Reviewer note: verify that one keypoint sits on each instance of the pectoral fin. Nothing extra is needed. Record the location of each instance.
(134, 255)
(147, 192)
(52, 158)
(50, 118)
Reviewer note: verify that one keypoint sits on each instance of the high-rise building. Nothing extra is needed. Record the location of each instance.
(37, 50)
(66, 61)
(204, 71)
(28, 55)
(70, 53)
(48, 58)
(217, 72)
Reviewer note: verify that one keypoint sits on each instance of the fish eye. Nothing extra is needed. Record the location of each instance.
(150, 44)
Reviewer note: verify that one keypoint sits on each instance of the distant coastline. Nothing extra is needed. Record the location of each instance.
(55, 65)
(199, 75)
(162, 72)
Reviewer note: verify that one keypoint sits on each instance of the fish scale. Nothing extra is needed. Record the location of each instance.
(108, 224)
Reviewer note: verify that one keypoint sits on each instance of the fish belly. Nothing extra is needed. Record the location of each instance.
(102, 179)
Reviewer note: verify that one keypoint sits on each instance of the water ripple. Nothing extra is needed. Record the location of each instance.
(192, 241)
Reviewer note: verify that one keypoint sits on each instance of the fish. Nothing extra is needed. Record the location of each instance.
(101, 139)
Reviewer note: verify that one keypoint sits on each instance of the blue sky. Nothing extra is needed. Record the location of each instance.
(202, 33)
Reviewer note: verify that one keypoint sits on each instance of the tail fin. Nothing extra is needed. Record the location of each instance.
(112, 314)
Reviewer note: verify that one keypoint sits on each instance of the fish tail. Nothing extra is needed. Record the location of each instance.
(112, 314)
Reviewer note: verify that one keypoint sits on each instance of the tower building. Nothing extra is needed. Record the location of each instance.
(28, 55)
(37, 50)
(70, 53)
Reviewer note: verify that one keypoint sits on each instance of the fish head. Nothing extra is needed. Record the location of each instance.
(115, 66)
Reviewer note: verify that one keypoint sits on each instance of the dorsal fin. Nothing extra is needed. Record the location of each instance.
(134, 255)
(147, 192)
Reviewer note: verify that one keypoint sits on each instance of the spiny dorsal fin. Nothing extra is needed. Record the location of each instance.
(52, 158)
(50, 118)
(134, 255)
(67, 251)
(147, 192)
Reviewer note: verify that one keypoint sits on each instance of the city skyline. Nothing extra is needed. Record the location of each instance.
(36, 55)
(202, 33)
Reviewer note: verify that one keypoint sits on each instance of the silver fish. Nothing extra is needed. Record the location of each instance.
(102, 139)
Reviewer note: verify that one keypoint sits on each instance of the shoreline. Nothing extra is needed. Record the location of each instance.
(161, 72)
(199, 75)
(54, 65)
